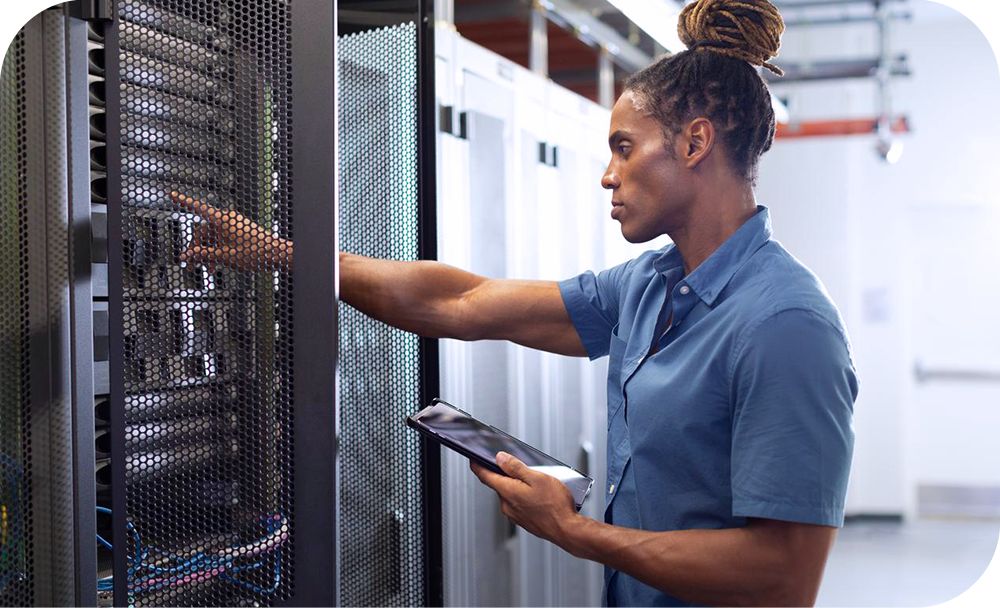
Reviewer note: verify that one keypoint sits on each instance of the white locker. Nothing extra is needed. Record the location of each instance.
(519, 166)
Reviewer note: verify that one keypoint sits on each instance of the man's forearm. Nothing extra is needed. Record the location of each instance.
(419, 297)
(729, 567)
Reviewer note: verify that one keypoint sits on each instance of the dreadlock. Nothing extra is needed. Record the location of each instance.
(715, 77)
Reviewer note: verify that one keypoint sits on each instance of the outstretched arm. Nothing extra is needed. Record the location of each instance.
(428, 298)
(440, 301)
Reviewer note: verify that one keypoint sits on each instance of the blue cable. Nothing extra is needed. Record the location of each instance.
(104, 542)
(192, 565)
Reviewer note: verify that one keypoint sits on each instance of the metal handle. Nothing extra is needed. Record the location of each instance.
(585, 457)
(458, 127)
(969, 374)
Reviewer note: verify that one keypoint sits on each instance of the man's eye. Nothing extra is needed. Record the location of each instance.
(623, 149)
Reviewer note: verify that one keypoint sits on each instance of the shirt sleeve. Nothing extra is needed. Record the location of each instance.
(592, 302)
(793, 439)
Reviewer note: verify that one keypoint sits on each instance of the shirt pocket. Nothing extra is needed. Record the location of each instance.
(616, 354)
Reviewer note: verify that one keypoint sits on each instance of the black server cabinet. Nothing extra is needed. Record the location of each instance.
(182, 414)
(221, 436)
(189, 415)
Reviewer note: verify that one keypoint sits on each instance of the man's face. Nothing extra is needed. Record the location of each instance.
(646, 181)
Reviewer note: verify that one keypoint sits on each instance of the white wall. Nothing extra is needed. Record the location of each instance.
(907, 251)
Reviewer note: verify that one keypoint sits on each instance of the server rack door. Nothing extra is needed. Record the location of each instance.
(46, 541)
(16, 550)
(389, 496)
(222, 444)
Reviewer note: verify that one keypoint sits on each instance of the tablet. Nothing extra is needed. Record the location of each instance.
(481, 442)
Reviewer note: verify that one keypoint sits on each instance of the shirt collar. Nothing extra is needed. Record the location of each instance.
(711, 277)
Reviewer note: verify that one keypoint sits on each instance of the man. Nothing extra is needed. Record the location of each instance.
(731, 386)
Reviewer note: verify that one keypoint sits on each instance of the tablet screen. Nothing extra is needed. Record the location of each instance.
(484, 441)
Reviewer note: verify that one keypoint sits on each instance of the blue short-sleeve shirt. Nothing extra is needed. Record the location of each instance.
(742, 408)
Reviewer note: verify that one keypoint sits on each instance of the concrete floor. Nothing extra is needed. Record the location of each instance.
(921, 563)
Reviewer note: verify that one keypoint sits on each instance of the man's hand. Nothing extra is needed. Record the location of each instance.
(230, 239)
(537, 502)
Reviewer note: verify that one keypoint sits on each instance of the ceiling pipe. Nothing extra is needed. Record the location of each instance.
(605, 79)
(889, 148)
(539, 50)
(814, 21)
(444, 13)
(785, 6)
(839, 127)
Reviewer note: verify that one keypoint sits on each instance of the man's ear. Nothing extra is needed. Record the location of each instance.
(699, 140)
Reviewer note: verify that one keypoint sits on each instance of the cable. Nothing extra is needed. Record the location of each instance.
(171, 570)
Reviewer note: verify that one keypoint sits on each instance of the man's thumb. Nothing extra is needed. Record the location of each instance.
(512, 466)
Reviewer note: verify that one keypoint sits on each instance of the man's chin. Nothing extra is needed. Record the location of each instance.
(635, 236)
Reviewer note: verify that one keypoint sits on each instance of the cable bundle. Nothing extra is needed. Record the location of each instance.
(151, 569)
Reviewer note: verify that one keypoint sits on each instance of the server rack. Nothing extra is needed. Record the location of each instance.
(184, 402)
(222, 450)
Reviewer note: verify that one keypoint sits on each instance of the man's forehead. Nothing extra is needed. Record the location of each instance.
(629, 115)
(629, 102)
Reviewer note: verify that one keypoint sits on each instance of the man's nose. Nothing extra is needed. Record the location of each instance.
(610, 181)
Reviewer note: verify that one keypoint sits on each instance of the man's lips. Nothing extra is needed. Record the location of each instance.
(616, 209)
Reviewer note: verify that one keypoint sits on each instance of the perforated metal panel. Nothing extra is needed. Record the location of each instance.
(16, 573)
(205, 110)
(381, 537)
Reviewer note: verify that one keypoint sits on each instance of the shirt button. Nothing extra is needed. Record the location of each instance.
(611, 489)
(685, 290)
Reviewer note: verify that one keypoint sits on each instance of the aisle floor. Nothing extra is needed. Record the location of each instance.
(921, 563)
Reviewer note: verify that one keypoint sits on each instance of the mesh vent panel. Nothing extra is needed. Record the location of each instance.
(380, 537)
(205, 111)
(15, 381)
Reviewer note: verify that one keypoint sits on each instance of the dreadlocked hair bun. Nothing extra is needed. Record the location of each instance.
(749, 30)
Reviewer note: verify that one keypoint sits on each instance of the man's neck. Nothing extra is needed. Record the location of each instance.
(711, 222)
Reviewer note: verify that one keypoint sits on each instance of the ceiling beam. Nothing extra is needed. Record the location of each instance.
(807, 21)
(834, 70)
(596, 33)
(784, 6)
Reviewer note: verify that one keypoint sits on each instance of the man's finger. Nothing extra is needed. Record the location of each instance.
(203, 234)
(210, 256)
(197, 254)
(193, 205)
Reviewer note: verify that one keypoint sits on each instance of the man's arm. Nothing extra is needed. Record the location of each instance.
(439, 301)
(427, 298)
(766, 563)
